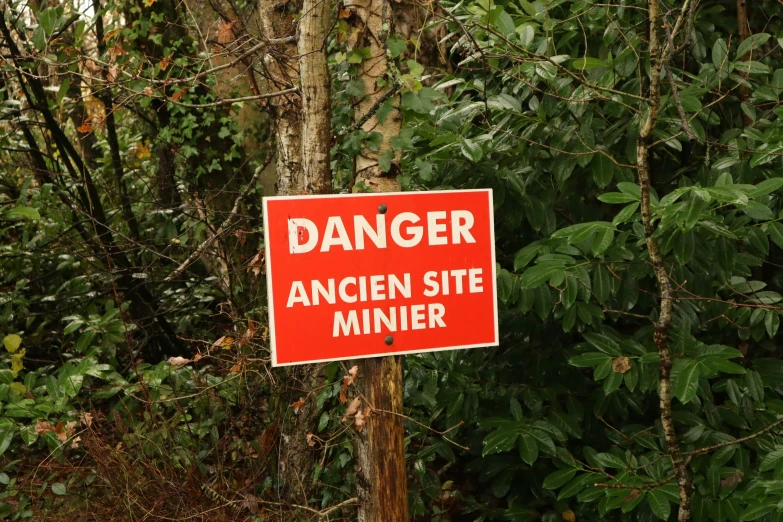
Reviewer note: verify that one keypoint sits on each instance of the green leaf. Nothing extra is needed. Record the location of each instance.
(775, 232)
(603, 343)
(524, 256)
(752, 42)
(25, 212)
(686, 383)
(7, 430)
(471, 150)
(588, 360)
(625, 214)
(617, 197)
(385, 160)
(500, 440)
(771, 460)
(528, 448)
(587, 63)
(610, 460)
(692, 211)
(771, 323)
(757, 510)
(684, 247)
(767, 186)
(601, 283)
(58, 488)
(659, 504)
(751, 67)
(559, 478)
(539, 274)
(719, 53)
(63, 90)
(602, 240)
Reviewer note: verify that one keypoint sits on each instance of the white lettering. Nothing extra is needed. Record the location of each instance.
(416, 232)
(417, 317)
(475, 280)
(346, 326)
(343, 294)
(434, 228)
(297, 295)
(296, 232)
(461, 230)
(318, 290)
(395, 285)
(335, 225)
(436, 312)
(431, 284)
(362, 227)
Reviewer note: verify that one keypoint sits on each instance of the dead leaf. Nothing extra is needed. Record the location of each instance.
(249, 333)
(225, 32)
(142, 151)
(240, 235)
(198, 357)
(225, 342)
(310, 441)
(236, 368)
(352, 408)
(621, 364)
(343, 397)
(111, 33)
(147, 91)
(361, 417)
(732, 480)
(256, 264)
(345, 13)
(178, 361)
(179, 94)
(568, 516)
(112, 73)
(149, 3)
(75, 442)
(117, 50)
(350, 376)
(251, 504)
(86, 418)
(42, 427)
(297, 406)
(165, 62)
(85, 127)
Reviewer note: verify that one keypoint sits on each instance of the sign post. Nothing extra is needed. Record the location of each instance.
(375, 276)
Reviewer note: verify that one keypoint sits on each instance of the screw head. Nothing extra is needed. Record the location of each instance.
(382, 209)
(389, 340)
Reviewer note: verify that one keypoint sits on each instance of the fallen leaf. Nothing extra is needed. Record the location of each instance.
(350, 377)
(86, 418)
(75, 442)
(111, 33)
(256, 264)
(178, 361)
(42, 427)
(225, 342)
(343, 397)
(225, 32)
(165, 62)
(251, 504)
(352, 408)
(236, 368)
(360, 419)
(732, 480)
(621, 364)
(298, 405)
(179, 94)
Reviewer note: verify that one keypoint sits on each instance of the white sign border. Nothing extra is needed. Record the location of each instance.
(270, 294)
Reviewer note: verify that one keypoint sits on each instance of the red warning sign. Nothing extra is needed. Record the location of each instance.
(366, 275)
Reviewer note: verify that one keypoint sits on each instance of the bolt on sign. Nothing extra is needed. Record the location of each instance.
(366, 275)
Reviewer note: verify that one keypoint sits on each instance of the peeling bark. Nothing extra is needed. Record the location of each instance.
(277, 20)
(659, 55)
(315, 89)
(372, 19)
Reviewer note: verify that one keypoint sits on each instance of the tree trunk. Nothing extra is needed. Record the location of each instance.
(381, 481)
(303, 166)
(277, 20)
(744, 31)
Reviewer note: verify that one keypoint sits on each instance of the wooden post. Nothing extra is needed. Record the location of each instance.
(381, 482)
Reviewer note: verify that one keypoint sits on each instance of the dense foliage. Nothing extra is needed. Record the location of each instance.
(638, 377)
